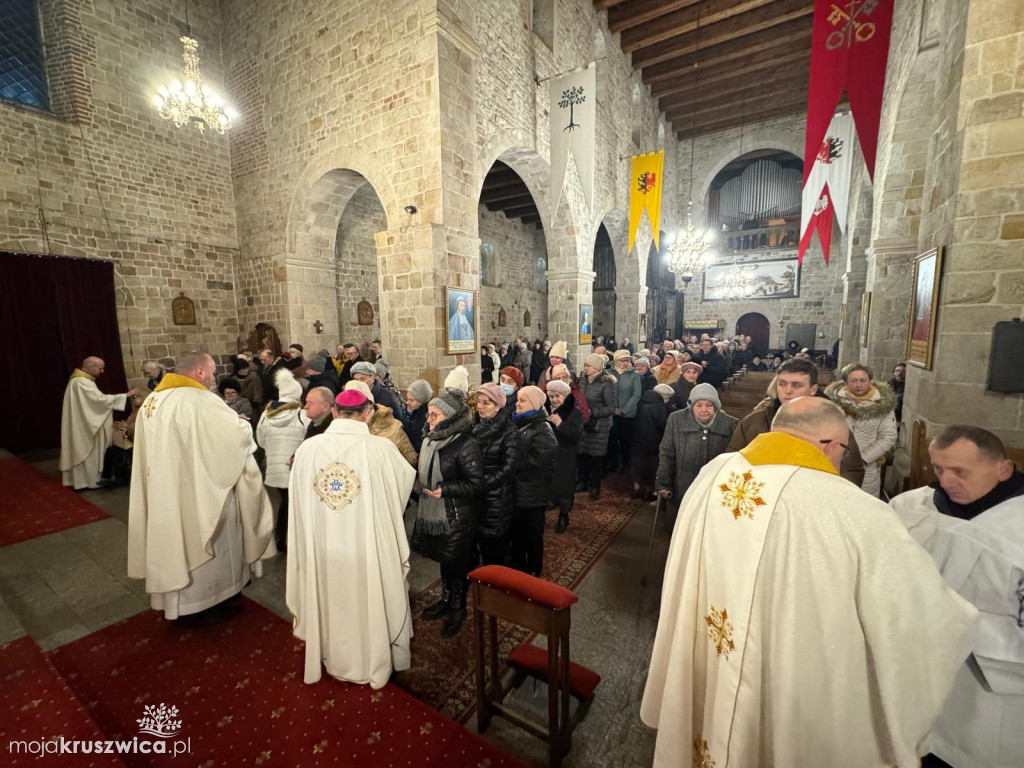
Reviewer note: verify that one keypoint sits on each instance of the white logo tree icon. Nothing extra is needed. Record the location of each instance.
(160, 721)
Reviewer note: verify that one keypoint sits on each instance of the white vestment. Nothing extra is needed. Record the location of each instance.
(982, 724)
(198, 514)
(800, 625)
(86, 430)
(348, 557)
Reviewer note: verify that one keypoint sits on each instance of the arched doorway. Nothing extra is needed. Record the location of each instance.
(604, 284)
(756, 326)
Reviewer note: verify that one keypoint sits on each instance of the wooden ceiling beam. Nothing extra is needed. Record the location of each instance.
(748, 106)
(510, 192)
(520, 210)
(676, 23)
(773, 15)
(784, 88)
(514, 202)
(731, 82)
(794, 34)
(602, 5)
(758, 65)
(530, 218)
(734, 121)
(636, 13)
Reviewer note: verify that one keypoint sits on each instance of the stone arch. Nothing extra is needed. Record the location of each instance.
(637, 113)
(730, 150)
(661, 134)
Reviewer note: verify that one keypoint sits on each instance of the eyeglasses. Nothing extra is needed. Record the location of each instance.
(845, 447)
(433, 416)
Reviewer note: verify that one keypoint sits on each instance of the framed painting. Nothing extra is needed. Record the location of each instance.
(586, 323)
(865, 317)
(460, 329)
(923, 308)
(738, 281)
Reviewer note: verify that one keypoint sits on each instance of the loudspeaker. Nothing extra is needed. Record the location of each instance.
(1005, 366)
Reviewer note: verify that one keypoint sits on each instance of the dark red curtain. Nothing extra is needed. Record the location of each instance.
(54, 313)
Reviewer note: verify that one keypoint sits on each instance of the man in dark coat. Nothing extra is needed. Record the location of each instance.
(319, 401)
(321, 373)
(367, 373)
(416, 398)
(716, 368)
(598, 390)
(350, 353)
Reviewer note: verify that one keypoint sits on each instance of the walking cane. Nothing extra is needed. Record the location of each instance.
(650, 547)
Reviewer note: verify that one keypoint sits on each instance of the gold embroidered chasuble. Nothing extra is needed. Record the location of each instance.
(786, 589)
(86, 430)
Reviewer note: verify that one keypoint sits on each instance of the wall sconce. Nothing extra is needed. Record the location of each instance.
(410, 209)
(318, 326)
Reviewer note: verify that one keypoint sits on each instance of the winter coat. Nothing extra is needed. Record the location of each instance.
(384, 396)
(568, 434)
(252, 389)
(600, 397)
(384, 424)
(486, 368)
(682, 389)
(280, 431)
(649, 425)
(502, 449)
(329, 378)
(647, 381)
(760, 420)
(627, 392)
(533, 481)
(462, 485)
(415, 425)
(538, 363)
(524, 361)
(687, 447)
(717, 369)
(872, 421)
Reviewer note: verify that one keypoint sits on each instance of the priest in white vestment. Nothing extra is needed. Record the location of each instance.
(348, 557)
(973, 525)
(199, 519)
(86, 427)
(800, 625)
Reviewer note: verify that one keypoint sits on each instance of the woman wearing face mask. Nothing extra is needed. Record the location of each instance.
(502, 449)
(568, 425)
(693, 437)
(451, 479)
(533, 481)
(511, 380)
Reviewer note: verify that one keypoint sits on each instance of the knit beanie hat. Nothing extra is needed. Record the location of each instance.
(598, 362)
(318, 365)
(558, 350)
(515, 374)
(360, 386)
(546, 345)
(492, 392)
(451, 402)
(457, 379)
(664, 390)
(705, 392)
(621, 353)
(381, 368)
(558, 370)
(421, 391)
(288, 389)
(534, 396)
(559, 386)
(642, 361)
(690, 364)
(363, 367)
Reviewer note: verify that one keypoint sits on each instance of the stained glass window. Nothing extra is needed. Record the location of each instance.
(22, 74)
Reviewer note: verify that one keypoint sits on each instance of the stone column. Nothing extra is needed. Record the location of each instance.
(630, 302)
(566, 291)
(853, 291)
(890, 275)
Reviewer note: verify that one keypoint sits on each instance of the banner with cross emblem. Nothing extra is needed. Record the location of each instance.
(646, 179)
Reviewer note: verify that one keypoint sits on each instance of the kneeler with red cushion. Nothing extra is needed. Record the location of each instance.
(543, 607)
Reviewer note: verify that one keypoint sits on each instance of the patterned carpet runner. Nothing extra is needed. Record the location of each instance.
(36, 504)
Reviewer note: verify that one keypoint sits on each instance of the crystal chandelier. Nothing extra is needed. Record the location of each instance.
(690, 254)
(734, 285)
(192, 102)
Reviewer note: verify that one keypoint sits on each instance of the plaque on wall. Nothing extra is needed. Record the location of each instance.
(365, 313)
(526, 319)
(183, 309)
(501, 318)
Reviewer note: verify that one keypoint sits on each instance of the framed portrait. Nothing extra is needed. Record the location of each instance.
(865, 317)
(586, 323)
(737, 281)
(460, 328)
(924, 304)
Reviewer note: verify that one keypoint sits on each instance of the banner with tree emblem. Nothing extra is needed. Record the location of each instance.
(573, 111)
(849, 51)
(832, 167)
(646, 178)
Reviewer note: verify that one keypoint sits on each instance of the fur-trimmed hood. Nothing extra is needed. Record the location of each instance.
(881, 405)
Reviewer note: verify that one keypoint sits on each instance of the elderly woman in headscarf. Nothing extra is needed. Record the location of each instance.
(668, 371)
(656, 405)
(502, 449)
(567, 422)
(693, 437)
(533, 481)
(451, 480)
(561, 373)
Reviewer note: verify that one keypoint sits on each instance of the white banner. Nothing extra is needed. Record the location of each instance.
(832, 166)
(573, 111)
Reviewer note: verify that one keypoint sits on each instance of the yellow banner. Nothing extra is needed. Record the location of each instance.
(646, 179)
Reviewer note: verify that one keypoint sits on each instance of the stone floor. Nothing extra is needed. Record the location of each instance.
(61, 587)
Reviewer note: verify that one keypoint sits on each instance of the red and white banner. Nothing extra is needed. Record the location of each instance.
(849, 51)
(829, 179)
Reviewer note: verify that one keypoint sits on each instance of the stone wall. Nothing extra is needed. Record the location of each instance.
(357, 278)
(517, 247)
(115, 181)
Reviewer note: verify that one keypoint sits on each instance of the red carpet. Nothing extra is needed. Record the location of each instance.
(241, 701)
(36, 705)
(36, 504)
(443, 673)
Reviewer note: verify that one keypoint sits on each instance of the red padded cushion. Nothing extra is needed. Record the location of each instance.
(525, 586)
(534, 662)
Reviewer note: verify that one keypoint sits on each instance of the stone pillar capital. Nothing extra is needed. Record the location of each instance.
(571, 274)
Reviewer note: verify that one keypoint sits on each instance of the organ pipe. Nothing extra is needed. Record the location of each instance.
(765, 190)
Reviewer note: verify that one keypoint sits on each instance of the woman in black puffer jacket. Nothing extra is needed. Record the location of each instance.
(502, 449)
(451, 479)
(567, 422)
(533, 483)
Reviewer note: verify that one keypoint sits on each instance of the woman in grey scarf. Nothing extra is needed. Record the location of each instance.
(451, 480)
